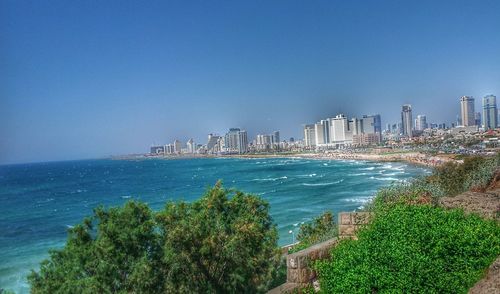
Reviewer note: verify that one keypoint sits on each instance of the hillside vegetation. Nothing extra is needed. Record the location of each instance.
(415, 246)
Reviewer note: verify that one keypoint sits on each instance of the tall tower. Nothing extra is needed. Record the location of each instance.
(406, 120)
(420, 122)
(490, 118)
(467, 110)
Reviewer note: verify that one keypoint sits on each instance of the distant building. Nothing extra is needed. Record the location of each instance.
(421, 122)
(213, 143)
(371, 124)
(156, 149)
(467, 111)
(477, 118)
(366, 139)
(191, 147)
(169, 149)
(339, 131)
(177, 146)
(236, 141)
(309, 136)
(490, 113)
(406, 120)
(275, 139)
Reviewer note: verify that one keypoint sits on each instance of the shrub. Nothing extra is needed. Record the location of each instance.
(413, 249)
(318, 230)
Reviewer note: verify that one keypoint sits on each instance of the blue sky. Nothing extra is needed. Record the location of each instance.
(84, 79)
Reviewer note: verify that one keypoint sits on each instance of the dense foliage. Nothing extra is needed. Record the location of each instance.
(224, 242)
(318, 230)
(449, 179)
(413, 249)
(474, 173)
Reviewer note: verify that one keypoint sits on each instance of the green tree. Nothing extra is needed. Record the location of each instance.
(318, 230)
(122, 255)
(225, 242)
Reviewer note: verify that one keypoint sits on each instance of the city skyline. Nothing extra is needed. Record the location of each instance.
(88, 80)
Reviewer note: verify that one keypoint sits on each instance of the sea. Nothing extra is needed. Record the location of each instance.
(40, 201)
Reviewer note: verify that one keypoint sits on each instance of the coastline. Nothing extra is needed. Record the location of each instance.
(413, 157)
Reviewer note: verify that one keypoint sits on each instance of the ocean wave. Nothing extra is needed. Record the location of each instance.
(368, 168)
(323, 184)
(126, 197)
(271, 179)
(386, 179)
(307, 176)
(358, 199)
(358, 174)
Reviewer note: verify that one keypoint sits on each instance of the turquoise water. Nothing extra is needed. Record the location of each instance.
(40, 201)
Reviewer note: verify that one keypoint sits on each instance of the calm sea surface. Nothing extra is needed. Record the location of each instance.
(38, 202)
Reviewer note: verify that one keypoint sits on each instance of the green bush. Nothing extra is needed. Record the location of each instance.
(449, 179)
(413, 249)
(320, 229)
(225, 242)
(474, 172)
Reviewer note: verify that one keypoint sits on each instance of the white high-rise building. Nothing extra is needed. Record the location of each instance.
(319, 134)
(421, 122)
(406, 121)
(490, 117)
(467, 111)
(177, 146)
(212, 144)
(339, 131)
(190, 146)
(242, 141)
(309, 136)
(236, 141)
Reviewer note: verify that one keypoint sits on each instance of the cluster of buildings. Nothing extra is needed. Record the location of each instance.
(235, 141)
(341, 132)
(469, 121)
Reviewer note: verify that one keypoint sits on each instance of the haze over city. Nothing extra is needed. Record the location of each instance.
(86, 80)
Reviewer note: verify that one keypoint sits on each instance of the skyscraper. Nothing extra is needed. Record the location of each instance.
(490, 118)
(276, 139)
(477, 118)
(467, 111)
(406, 121)
(236, 140)
(190, 146)
(177, 146)
(309, 136)
(420, 122)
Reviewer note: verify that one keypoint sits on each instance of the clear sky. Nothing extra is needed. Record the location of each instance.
(84, 79)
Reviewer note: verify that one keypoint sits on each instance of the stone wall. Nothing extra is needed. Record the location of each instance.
(299, 271)
(350, 222)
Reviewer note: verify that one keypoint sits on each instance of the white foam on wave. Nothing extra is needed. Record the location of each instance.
(323, 184)
(368, 168)
(126, 197)
(271, 179)
(361, 200)
(387, 179)
(307, 176)
(358, 174)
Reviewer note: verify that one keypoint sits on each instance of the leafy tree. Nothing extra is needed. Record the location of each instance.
(225, 242)
(318, 230)
(122, 255)
(219, 243)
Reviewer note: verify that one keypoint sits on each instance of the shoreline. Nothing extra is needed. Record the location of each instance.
(416, 158)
